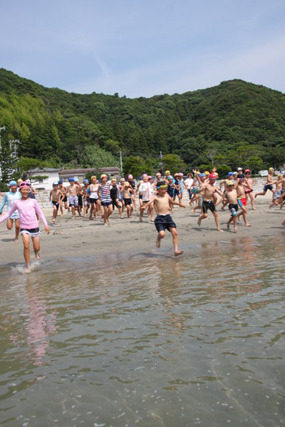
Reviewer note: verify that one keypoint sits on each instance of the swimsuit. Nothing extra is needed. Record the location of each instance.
(73, 201)
(164, 222)
(233, 208)
(242, 201)
(208, 204)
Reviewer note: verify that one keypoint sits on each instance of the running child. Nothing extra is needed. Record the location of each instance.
(268, 185)
(241, 187)
(55, 196)
(209, 191)
(28, 210)
(106, 201)
(127, 193)
(114, 192)
(73, 199)
(9, 199)
(162, 204)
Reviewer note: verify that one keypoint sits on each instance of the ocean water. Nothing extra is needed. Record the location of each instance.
(147, 339)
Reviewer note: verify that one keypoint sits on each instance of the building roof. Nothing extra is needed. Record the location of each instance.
(40, 170)
(71, 172)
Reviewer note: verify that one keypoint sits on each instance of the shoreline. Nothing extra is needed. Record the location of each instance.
(81, 237)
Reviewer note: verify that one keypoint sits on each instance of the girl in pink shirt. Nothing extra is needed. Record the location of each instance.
(28, 210)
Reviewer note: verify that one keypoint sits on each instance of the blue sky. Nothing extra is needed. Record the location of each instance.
(143, 47)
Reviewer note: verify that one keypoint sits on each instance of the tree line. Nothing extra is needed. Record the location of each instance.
(234, 123)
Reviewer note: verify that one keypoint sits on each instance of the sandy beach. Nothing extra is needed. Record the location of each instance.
(82, 237)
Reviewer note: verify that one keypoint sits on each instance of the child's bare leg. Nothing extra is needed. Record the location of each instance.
(160, 236)
(217, 221)
(203, 216)
(235, 223)
(36, 245)
(110, 211)
(17, 229)
(26, 243)
(175, 241)
(54, 213)
(229, 221)
(244, 215)
(150, 212)
(105, 215)
(251, 196)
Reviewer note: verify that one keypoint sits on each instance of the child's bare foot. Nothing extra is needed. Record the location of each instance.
(140, 218)
(235, 229)
(176, 253)
(219, 229)
(199, 221)
(248, 224)
(37, 255)
(157, 243)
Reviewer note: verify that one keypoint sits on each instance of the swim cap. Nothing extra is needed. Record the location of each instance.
(229, 182)
(207, 173)
(130, 177)
(150, 177)
(239, 169)
(55, 184)
(19, 181)
(71, 179)
(24, 184)
(180, 174)
(230, 173)
(170, 177)
(75, 179)
(167, 172)
(213, 176)
(201, 175)
(12, 183)
(104, 176)
(85, 181)
(60, 182)
(247, 171)
(161, 184)
(271, 169)
(93, 177)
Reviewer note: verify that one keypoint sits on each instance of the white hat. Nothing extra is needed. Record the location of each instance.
(239, 169)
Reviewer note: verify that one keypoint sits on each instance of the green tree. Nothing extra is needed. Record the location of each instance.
(134, 165)
(96, 157)
(174, 163)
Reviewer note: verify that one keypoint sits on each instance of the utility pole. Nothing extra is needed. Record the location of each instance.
(2, 128)
(121, 162)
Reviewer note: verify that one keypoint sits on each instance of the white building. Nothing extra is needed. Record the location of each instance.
(52, 175)
(49, 176)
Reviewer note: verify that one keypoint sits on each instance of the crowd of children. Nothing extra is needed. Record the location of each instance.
(99, 199)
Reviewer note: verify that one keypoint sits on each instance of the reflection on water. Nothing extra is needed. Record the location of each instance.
(147, 340)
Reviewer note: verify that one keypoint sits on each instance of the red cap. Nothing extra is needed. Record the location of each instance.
(213, 176)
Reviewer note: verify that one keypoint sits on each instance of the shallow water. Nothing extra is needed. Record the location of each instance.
(147, 340)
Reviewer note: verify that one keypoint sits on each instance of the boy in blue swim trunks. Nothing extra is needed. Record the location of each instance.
(163, 204)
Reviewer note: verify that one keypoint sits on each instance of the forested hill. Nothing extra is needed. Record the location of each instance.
(235, 122)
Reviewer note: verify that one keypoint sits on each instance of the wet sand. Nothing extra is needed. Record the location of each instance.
(82, 237)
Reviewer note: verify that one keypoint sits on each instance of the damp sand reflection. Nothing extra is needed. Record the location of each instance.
(148, 340)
